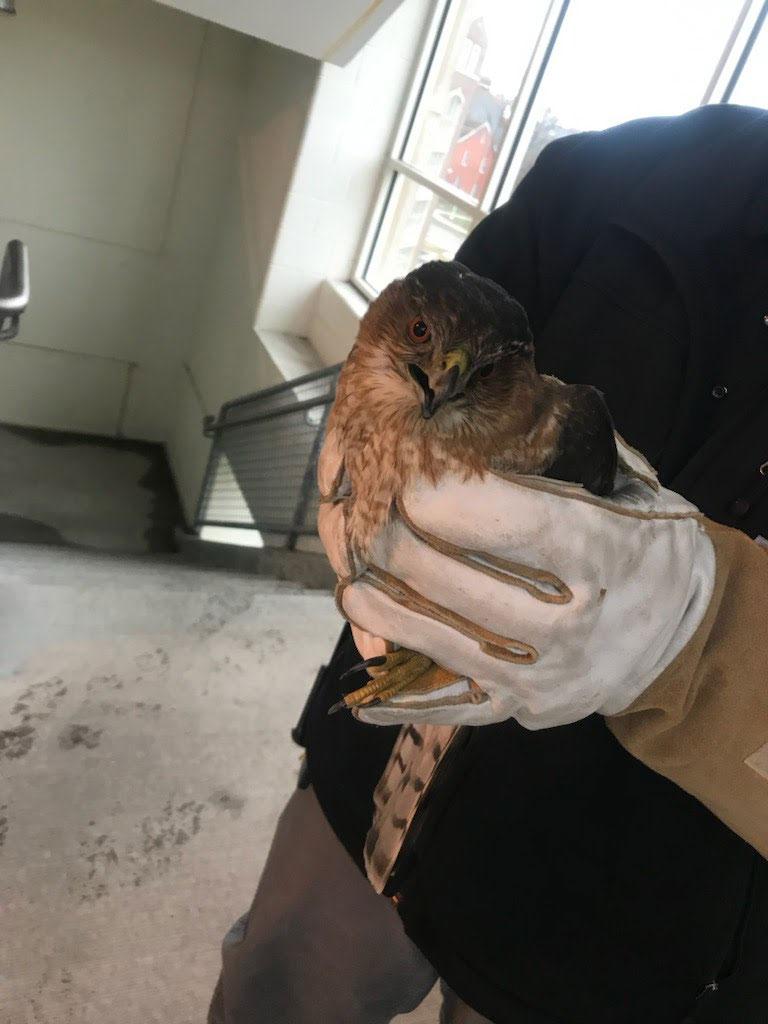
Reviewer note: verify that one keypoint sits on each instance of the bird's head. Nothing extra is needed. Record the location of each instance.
(445, 341)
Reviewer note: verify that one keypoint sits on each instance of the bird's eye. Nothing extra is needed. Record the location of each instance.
(419, 330)
(486, 371)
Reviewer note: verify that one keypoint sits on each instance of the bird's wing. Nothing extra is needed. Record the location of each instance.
(577, 444)
(586, 449)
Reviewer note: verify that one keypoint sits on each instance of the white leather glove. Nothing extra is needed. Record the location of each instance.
(547, 602)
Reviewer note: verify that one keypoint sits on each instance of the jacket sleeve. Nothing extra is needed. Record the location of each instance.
(704, 722)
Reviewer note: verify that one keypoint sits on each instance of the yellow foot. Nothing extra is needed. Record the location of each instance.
(390, 674)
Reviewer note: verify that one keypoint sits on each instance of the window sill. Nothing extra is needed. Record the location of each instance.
(338, 311)
(293, 356)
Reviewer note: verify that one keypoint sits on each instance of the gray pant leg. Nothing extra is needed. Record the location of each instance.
(318, 945)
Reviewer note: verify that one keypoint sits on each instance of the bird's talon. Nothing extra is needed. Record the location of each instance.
(390, 674)
(368, 663)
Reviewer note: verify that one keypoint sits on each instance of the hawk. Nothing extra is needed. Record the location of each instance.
(441, 379)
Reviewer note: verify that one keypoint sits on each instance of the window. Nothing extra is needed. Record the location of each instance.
(455, 105)
(750, 87)
(498, 81)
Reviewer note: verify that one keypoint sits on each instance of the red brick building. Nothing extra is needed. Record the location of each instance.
(471, 160)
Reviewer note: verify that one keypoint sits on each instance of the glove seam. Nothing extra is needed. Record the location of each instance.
(493, 644)
(501, 569)
(577, 493)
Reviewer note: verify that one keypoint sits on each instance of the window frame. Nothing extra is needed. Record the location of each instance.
(736, 57)
(750, 21)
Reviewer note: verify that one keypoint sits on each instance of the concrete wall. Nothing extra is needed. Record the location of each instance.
(310, 157)
(349, 133)
(97, 96)
(184, 190)
(147, 159)
(183, 264)
(224, 357)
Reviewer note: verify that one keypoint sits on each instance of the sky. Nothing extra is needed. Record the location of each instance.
(614, 59)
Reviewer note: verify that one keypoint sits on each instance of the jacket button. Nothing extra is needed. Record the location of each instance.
(740, 507)
(719, 391)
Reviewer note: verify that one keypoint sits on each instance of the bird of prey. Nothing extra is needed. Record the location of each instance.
(441, 380)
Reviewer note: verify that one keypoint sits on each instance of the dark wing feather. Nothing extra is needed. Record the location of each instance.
(587, 447)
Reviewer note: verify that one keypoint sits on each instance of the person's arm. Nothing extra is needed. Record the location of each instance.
(704, 722)
(543, 603)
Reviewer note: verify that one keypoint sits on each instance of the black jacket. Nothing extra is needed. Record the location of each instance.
(553, 878)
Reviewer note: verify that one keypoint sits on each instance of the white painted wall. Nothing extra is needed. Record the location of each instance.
(309, 155)
(96, 99)
(184, 191)
(224, 357)
(311, 151)
(148, 157)
(349, 133)
(186, 257)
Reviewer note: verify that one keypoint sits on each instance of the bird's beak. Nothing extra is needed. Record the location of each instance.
(447, 382)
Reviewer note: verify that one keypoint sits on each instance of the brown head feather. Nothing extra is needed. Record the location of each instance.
(500, 410)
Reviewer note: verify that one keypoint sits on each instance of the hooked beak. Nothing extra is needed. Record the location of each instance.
(444, 385)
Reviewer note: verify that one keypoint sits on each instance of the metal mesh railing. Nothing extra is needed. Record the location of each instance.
(262, 466)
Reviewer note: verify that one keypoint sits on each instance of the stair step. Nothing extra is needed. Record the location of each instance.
(307, 568)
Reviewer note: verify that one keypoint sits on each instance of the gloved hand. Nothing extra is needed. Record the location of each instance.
(546, 602)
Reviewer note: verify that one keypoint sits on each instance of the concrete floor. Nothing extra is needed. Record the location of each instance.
(145, 711)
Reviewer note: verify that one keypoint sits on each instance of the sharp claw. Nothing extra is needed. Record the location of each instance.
(338, 706)
(400, 670)
(342, 705)
(368, 663)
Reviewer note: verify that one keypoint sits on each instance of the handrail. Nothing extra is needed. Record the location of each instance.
(261, 469)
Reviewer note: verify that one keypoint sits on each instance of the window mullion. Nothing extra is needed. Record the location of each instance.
(734, 47)
(533, 73)
(434, 40)
(431, 43)
(751, 38)
(375, 221)
(440, 188)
